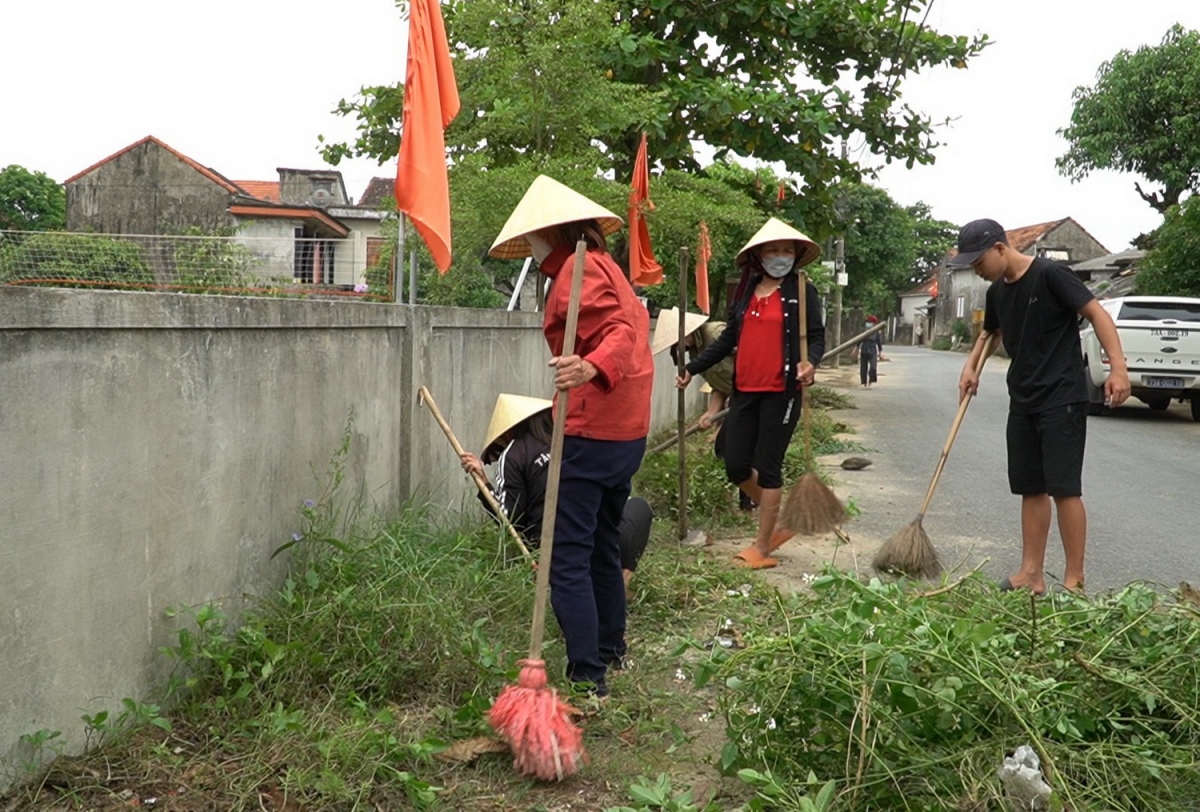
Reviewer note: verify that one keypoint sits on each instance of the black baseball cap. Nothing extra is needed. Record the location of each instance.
(975, 238)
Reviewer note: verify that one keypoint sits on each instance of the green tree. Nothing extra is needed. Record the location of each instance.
(532, 79)
(772, 80)
(786, 82)
(934, 238)
(1140, 117)
(881, 247)
(1172, 267)
(31, 201)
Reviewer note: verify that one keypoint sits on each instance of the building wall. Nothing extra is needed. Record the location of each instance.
(157, 449)
(146, 190)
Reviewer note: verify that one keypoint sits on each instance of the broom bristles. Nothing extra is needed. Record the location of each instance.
(811, 508)
(537, 725)
(909, 552)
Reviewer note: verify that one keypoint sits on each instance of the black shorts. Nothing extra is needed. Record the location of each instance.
(1045, 451)
(758, 429)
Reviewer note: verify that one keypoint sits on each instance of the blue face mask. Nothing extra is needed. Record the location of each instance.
(778, 267)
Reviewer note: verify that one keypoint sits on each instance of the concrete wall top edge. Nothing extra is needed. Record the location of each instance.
(58, 309)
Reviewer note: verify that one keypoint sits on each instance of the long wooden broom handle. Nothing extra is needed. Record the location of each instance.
(556, 452)
(681, 418)
(805, 412)
(962, 411)
(424, 397)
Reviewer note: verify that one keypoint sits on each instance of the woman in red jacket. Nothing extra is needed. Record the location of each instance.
(608, 415)
(764, 327)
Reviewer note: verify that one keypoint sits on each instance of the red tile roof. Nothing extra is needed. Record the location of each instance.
(376, 191)
(216, 177)
(926, 288)
(262, 189)
(1022, 238)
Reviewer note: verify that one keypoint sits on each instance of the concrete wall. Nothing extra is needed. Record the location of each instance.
(156, 448)
(146, 190)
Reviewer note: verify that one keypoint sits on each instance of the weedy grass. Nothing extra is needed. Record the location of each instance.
(910, 701)
(348, 687)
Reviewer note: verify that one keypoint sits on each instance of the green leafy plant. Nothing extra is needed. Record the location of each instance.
(657, 794)
(907, 699)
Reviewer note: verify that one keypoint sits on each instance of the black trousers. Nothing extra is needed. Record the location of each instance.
(587, 589)
(757, 432)
(868, 368)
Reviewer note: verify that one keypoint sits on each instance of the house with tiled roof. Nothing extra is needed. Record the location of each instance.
(914, 308)
(961, 292)
(302, 226)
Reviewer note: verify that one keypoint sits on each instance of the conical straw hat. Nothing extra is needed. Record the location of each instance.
(509, 411)
(774, 230)
(548, 203)
(666, 331)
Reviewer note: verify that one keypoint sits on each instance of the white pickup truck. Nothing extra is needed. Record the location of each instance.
(1161, 339)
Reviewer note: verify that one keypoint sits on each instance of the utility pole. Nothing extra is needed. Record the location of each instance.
(839, 267)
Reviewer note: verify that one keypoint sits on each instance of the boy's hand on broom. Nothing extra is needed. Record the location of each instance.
(806, 373)
(968, 384)
(681, 381)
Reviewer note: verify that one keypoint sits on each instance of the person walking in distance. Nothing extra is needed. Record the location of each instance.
(1033, 306)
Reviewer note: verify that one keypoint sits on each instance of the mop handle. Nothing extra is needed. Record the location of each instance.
(962, 411)
(423, 396)
(556, 452)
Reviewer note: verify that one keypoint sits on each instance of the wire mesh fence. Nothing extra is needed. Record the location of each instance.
(286, 265)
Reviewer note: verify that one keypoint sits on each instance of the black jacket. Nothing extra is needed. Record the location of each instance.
(727, 342)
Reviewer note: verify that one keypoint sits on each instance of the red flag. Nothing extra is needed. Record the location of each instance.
(430, 104)
(703, 255)
(779, 198)
(643, 268)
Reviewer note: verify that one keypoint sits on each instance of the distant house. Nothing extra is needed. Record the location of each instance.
(916, 307)
(302, 227)
(961, 293)
(1111, 275)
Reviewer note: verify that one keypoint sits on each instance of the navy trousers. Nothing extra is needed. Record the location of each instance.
(586, 587)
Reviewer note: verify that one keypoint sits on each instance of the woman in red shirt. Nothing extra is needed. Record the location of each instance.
(764, 327)
(608, 415)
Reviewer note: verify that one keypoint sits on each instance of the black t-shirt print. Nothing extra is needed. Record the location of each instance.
(1038, 317)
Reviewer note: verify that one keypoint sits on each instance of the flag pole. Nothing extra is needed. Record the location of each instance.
(398, 264)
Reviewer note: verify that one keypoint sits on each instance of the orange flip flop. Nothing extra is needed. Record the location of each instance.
(750, 558)
(779, 537)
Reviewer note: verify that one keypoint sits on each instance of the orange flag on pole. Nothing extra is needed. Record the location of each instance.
(430, 104)
(643, 268)
(703, 255)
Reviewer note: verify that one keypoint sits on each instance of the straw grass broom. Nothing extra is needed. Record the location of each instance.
(811, 507)
(910, 552)
(530, 715)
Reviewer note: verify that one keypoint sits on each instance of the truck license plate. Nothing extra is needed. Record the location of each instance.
(1160, 382)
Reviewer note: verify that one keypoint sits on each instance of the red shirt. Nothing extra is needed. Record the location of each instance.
(760, 346)
(614, 335)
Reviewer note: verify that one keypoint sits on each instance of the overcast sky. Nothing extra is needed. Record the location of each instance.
(246, 86)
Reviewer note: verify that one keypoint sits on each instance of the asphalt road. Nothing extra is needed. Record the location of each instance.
(1141, 475)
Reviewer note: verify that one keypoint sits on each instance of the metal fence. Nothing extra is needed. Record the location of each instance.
(256, 266)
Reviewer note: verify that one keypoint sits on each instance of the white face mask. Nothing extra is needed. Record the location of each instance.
(779, 266)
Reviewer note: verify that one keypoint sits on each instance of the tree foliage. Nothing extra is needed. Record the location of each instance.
(889, 247)
(1140, 117)
(786, 82)
(565, 87)
(1172, 267)
(533, 81)
(31, 201)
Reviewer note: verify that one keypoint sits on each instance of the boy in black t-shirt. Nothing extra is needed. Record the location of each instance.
(1033, 306)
